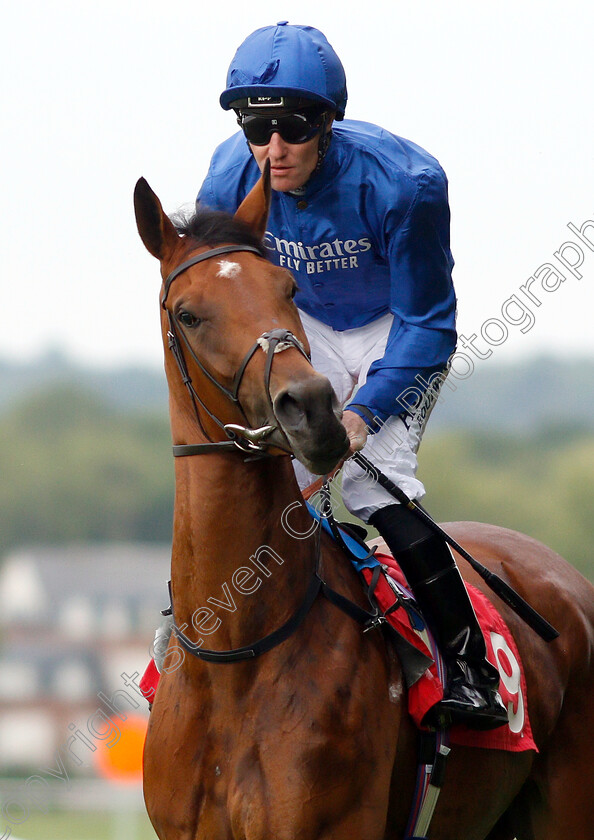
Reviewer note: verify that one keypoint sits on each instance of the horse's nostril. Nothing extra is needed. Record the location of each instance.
(306, 411)
(289, 409)
(310, 403)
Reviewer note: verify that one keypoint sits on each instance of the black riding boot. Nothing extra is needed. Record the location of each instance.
(471, 695)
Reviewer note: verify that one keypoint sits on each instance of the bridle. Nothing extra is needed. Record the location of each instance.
(238, 438)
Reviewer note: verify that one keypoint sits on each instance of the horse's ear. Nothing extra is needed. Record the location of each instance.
(254, 208)
(155, 228)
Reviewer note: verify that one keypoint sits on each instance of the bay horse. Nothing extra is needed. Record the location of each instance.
(312, 740)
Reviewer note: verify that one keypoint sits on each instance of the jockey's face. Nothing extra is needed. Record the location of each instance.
(291, 164)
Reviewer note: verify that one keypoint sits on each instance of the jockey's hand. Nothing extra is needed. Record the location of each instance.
(356, 429)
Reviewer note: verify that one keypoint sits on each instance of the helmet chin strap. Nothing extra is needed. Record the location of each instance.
(323, 144)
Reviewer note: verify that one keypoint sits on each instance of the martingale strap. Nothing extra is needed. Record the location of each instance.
(369, 620)
(262, 645)
(316, 585)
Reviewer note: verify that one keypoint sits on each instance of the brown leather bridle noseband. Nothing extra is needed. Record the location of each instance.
(239, 438)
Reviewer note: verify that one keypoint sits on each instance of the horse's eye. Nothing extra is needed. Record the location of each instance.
(187, 319)
(294, 290)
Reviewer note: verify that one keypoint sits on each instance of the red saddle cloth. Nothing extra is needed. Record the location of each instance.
(149, 681)
(516, 736)
(502, 652)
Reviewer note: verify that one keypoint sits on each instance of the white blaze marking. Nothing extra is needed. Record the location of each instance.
(228, 269)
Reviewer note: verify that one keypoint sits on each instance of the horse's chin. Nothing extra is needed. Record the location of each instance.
(320, 467)
(320, 461)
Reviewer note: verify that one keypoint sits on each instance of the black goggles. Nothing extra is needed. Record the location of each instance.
(293, 128)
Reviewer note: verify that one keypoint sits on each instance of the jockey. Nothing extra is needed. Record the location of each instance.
(361, 218)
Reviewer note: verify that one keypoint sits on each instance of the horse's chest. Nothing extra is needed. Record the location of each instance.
(268, 780)
(280, 762)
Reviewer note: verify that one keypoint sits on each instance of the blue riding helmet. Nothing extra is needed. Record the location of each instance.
(295, 61)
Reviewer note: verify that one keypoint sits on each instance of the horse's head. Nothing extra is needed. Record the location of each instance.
(241, 352)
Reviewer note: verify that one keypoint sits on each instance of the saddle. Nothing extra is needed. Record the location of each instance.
(424, 674)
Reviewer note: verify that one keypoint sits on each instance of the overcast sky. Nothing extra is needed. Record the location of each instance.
(97, 93)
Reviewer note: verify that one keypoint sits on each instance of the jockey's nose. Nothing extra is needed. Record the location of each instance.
(277, 147)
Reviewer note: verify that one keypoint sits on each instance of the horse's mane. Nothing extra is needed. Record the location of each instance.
(214, 227)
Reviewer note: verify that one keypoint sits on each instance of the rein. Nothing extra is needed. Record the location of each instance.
(242, 438)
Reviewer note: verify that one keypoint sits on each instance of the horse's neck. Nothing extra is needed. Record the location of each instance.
(235, 550)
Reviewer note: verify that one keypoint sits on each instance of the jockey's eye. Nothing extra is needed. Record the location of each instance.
(187, 319)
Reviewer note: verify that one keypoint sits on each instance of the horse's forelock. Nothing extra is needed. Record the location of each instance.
(213, 227)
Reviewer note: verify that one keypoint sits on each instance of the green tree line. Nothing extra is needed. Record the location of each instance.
(541, 484)
(76, 469)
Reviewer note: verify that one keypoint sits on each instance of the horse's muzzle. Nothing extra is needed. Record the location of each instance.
(309, 414)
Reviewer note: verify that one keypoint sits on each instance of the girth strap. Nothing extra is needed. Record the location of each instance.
(433, 753)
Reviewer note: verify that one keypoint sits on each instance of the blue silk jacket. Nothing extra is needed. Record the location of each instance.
(367, 235)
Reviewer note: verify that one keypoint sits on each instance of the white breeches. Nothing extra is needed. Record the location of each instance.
(345, 357)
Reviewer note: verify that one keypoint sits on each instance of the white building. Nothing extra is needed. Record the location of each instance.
(72, 621)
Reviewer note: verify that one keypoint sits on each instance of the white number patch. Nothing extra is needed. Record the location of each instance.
(509, 670)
